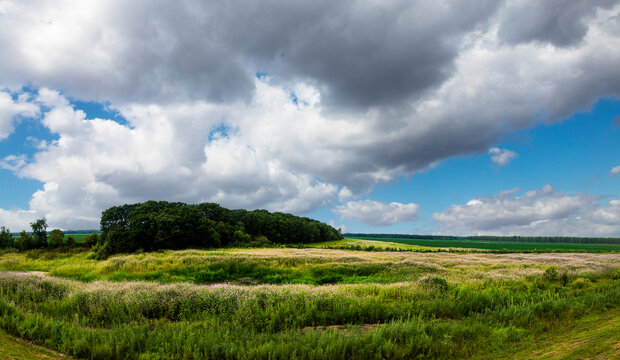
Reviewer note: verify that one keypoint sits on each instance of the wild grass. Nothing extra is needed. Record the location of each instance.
(12, 348)
(300, 266)
(430, 318)
(326, 304)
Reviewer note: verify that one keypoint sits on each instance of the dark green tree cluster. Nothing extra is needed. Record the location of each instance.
(26, 241)
(155, 225)
(6, 238)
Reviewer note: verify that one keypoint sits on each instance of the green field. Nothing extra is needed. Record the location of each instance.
(498, 245)
(312, 303)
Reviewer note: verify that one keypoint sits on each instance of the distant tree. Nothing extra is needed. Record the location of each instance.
(6, 239)
(90, 240)
(71, 242)
(25, 241)
(56, 238)
(39, 233)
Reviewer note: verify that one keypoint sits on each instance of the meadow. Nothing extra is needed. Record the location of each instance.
(313, 303)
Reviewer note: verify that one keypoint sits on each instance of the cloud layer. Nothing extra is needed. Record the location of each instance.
(284, 106)
(544, 211)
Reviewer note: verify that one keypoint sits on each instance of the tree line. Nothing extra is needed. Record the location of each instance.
(40, 239)
(155, 225)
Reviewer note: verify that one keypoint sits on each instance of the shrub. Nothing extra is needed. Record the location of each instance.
(71, 242)
(25, 241)
(56, 238)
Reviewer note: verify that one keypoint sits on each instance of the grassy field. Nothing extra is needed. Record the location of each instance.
(312, 303)
(497, 245)
(12, 348)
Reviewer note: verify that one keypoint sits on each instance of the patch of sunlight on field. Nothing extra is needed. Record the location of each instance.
(12, 348)
(370, 243)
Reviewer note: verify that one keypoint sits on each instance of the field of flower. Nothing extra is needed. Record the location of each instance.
(282, 303)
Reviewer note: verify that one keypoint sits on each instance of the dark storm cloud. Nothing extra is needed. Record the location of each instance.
(359, 53)
(559, 22)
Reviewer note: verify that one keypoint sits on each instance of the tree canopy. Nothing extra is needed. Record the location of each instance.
(155, 225)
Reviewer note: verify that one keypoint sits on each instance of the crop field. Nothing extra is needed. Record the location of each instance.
(312, 303)
(498, 245)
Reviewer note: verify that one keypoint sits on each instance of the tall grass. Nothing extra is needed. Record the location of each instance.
(431, 317)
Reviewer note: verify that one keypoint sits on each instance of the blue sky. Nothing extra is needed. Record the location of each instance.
(574, 156)
(396, 118)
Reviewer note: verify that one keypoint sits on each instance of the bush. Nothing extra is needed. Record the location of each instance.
(71, 242)
(90, 240)
(56, 238)
(25, 241)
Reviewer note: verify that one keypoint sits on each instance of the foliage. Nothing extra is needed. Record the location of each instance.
(6, 238)
(39, 233)
(56, 238)
(156, 225)
(71, 242)
(90, 240)
(25, 241)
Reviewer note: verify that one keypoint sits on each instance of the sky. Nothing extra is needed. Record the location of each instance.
(425, 117)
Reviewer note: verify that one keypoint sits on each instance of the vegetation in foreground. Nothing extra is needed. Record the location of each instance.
(451, 306)
(12, 348)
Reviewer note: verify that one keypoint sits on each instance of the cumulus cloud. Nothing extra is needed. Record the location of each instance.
(377, 213)
(13, 162)
(10, 109)
(97, 163)
(299, 102)
(502, 157)
(544, 211)
(614, 171)
(17, 220)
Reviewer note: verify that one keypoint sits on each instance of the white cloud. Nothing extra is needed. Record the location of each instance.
(342, 227)
(10, 109)
(615, 170)
(13, 162)
(543, 211)
(502, 156)
(17, 220)
(344, 194)
(377, 213)
(163, 153)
